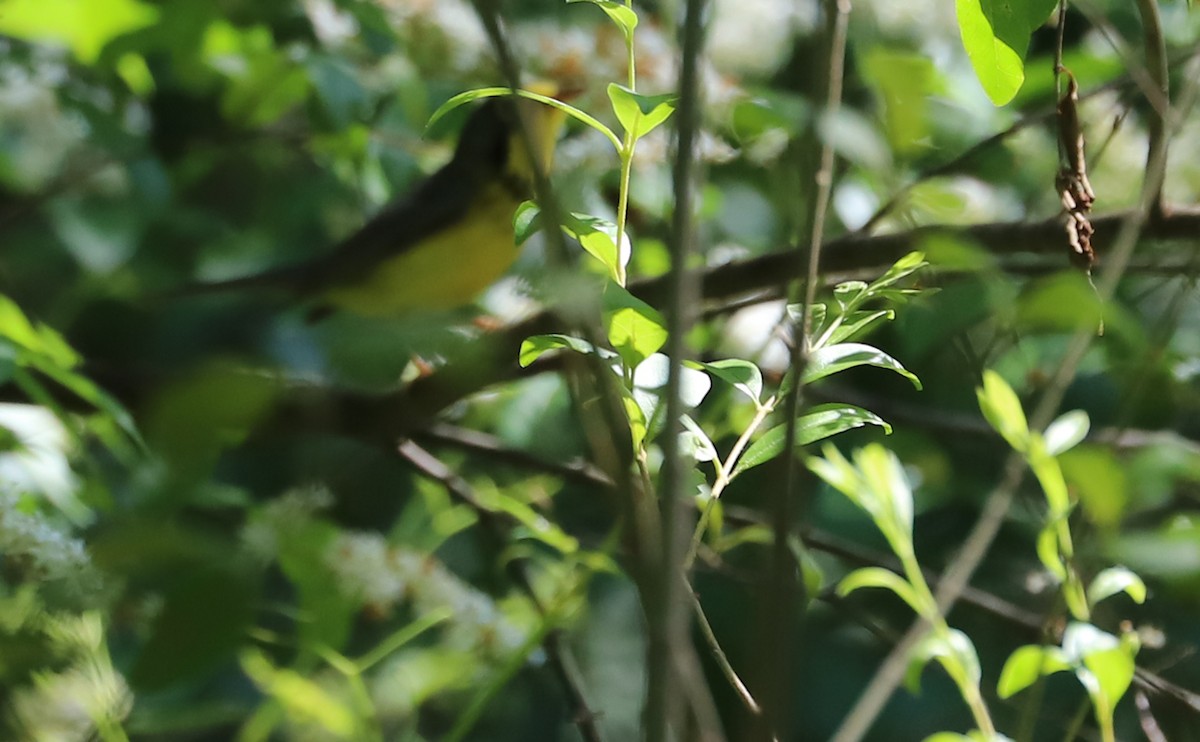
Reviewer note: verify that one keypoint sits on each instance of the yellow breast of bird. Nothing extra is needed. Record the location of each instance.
(445, 271)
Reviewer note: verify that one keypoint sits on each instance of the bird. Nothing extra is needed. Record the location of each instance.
(439, 246)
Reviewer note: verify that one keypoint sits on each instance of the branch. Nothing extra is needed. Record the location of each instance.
(492, 357)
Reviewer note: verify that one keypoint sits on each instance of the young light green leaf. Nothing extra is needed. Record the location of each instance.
(538, 345)
(834, 358)
(640, 114)
(820, 422)
(1026, 665)
(891, 500)
(953, 650)
(599, 237)
(635, 329)
(637, 421)
(479, 93)
(1002, 409)
(905, 266)
(1113, 670)
(880, 577)
(526, 221)
(856, 323)
(1048, 552)
(850, 293)
(696, 442)
(740, 374)
(996, 35)
(1066, 432)
(1116, 580)
(622, 15)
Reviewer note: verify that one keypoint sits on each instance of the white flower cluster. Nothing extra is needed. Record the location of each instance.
(260, 536)
(74, 703)
(42, 552)
(380, 574)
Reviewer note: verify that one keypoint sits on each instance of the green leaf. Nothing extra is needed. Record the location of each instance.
(856, 323)
(886, 579)
(535, 525)
(1048, 553)
(637, 421)
(84, 26)
(1049, 475)
(538, 345)
(640, 114)
(635, 329)
(1026, 665)
(740, 374)
(850, 293)
(300, 697)
(1116, 580)
(696, 442)
(480, 93)
(526, 221)
(1113, 669)
(891, 501)
(834, 358)
(820, 422)
(599, 237)
(1066, 432)
(622, 15)
(905, 266)
(953, 650)
(1101, 482)
(1002, 409)
(996, 36)
(904, 81)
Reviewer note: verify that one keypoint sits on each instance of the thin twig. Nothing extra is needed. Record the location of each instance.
(718, 655)
(559, 656)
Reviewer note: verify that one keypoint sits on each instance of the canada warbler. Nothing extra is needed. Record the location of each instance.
(438, 247)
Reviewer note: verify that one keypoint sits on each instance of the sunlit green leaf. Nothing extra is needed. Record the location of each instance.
(820, 422)
(84, 26)
(1115, 580)
(996, 35)
(1002, 408)
(302, 698)
(622, 15)
(741, 375)
(882, 578)
(1026, 665)
(635, 329)
(640, 114)
(526, 221)
(834, 358)
(480, 93)
(535, 347)
(599, 237)
(1048, 553)
(904, 82)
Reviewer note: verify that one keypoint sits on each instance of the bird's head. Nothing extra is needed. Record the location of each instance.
(493, 138)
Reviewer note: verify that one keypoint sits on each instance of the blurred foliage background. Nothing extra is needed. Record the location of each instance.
(180, 560)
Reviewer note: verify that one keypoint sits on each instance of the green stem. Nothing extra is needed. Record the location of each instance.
(724, 476)
(627, 148)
